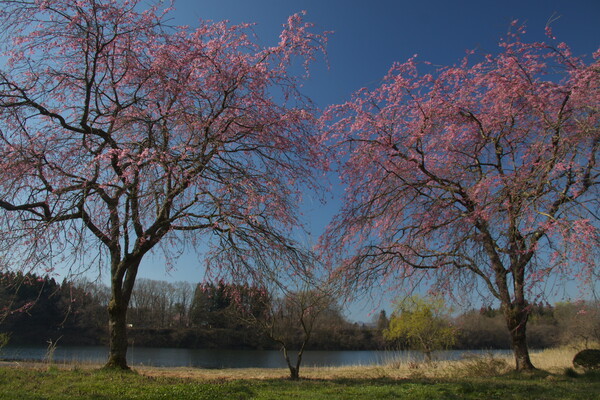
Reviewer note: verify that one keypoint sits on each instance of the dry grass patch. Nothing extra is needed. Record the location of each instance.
(554, 360)
(231, 374)
(228, 374)
(397, 370)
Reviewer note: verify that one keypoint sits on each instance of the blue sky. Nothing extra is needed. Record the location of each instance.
(368, 37)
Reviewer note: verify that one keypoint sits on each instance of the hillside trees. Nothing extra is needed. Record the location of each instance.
(119, 133)
(37, 310)
(481, 173)
(224, 305)
(31, 306)
(579, 323)
(160, 304)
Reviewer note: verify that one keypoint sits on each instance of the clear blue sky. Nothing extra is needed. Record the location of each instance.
(369, 36)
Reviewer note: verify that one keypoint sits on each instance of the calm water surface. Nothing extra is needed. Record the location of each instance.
(211, 358)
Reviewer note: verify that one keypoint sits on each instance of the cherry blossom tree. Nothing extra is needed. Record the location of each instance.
(480, 173)
(120, 133)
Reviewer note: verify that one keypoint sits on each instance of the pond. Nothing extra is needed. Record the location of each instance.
(215, 358)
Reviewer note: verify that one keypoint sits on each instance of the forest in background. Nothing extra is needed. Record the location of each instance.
(35, 310)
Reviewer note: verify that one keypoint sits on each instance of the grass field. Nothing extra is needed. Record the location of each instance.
(480, 378)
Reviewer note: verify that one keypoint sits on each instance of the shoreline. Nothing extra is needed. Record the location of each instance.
(553, 361)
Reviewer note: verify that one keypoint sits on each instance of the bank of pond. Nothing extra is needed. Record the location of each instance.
(220, 358)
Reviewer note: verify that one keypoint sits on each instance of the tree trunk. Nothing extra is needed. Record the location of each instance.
(294, 370)
(427, 355)
(518, 338)
(123, 278)
(117, 329)
(294, 373)
(516, 321)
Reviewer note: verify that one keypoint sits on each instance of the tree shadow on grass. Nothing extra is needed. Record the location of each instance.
(535, 385)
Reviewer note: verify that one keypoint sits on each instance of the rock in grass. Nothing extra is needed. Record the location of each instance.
(587, 359)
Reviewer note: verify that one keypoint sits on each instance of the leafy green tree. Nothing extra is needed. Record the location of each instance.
(422, 323)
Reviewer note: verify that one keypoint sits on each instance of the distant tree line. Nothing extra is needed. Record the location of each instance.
(36, 309)
(549, 325)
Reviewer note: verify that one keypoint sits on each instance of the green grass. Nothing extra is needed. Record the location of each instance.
(53, 383)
